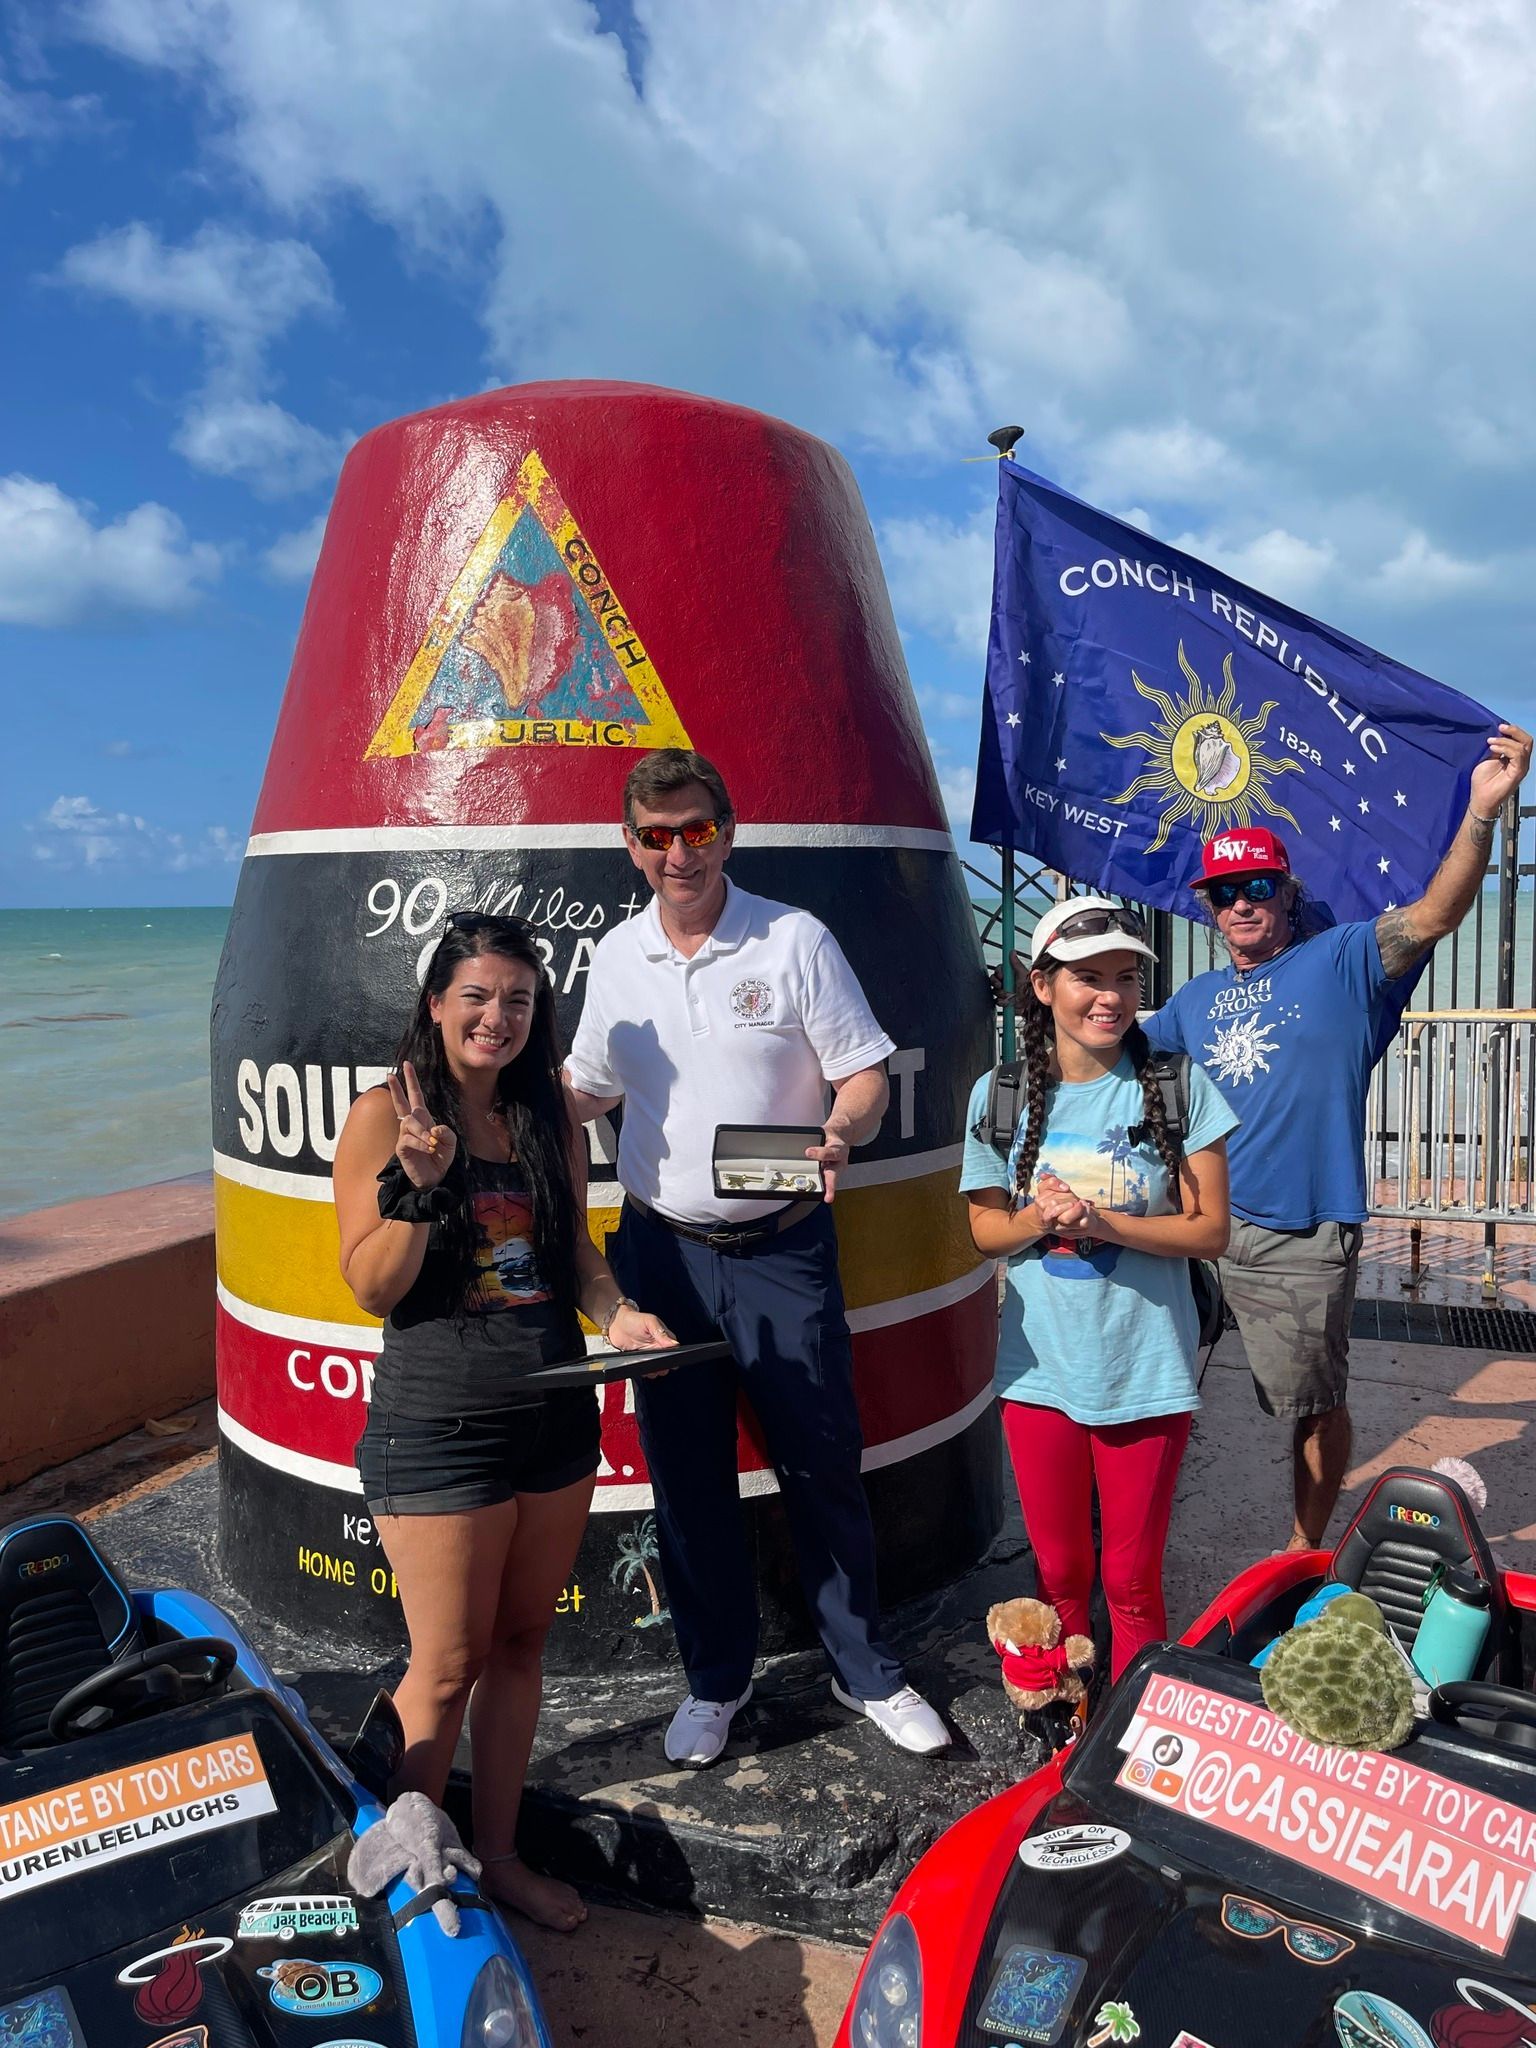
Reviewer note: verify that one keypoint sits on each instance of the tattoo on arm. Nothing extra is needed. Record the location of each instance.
(1401, 946)
(1481, 831)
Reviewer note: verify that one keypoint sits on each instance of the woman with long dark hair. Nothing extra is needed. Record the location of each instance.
(1097, 1211)
(461, 1199)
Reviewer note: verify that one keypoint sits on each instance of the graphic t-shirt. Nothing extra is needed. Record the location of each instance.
(1107, 1335)
(509, 1276)
(1291, 1046)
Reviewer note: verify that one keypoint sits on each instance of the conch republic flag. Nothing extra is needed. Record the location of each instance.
(1140, 702)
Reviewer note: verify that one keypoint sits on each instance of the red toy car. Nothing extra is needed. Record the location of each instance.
(1195, 1874)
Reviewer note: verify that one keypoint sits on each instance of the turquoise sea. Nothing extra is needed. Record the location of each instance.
(103, 1049)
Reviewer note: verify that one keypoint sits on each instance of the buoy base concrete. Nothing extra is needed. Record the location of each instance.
(809, 1822)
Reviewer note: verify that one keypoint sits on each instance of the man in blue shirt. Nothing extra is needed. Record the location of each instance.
(1290, 1033)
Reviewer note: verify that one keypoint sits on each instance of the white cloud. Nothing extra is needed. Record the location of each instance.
(237, 291)
(941, 578)
(1279, 563)
(74, 832)
(1251, 263)
(1420, 573)
(292, 556)
(59, 568)
(239, 294)
(957, 786)
(256, 440)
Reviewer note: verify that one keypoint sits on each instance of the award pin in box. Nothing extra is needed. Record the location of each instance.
(767, 1162)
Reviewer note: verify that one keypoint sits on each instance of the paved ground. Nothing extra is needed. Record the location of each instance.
(630, 1978)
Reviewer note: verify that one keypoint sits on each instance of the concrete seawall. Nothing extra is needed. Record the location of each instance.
(106, 1319)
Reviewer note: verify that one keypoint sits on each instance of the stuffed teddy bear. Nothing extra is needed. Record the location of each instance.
(1038, 1667)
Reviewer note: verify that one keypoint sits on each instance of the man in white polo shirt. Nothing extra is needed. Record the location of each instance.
(715, 1007)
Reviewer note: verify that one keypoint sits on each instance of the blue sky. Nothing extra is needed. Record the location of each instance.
(1259, 275)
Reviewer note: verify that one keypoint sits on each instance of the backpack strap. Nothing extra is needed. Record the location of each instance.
(1170, 1070)
(1005, 1097)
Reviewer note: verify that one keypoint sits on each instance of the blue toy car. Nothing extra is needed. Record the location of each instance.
(174, 1836)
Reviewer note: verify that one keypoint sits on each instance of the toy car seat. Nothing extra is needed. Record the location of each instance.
(1410, 1522)
(64, 1615)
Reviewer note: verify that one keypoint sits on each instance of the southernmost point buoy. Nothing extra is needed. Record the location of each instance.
(514, 595)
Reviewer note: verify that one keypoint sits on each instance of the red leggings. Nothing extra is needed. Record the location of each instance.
(1056, 1462)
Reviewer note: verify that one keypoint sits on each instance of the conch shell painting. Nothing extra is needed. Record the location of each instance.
(1217, 763)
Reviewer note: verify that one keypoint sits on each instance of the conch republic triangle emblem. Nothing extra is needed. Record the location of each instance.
(532, 646)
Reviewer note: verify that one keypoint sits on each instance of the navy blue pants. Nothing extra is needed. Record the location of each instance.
(780, 1307)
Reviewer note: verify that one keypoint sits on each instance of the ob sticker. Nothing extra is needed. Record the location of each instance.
(306, 1986)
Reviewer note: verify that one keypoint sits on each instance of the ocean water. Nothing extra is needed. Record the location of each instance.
(103, 1049)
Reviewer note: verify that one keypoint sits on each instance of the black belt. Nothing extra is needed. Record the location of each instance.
(728, 1237)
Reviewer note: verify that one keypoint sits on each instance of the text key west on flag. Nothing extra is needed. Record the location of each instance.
(1140, 702)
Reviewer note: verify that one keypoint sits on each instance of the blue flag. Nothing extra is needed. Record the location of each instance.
(1140, 702)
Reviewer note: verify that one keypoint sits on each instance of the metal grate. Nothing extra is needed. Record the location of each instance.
(1428, 1322)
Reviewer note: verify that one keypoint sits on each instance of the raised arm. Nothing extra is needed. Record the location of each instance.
(381, 1258)
(1406, 934)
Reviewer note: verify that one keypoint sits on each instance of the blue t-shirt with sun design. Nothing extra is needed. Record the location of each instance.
(1105, 1334)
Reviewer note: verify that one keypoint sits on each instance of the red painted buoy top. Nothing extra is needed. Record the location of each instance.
(518, 590)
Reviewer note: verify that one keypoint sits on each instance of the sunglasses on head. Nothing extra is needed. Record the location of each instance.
(1252, 889)
(1306, 1942)
(1093, 924)
(658, 838)
(488, 921)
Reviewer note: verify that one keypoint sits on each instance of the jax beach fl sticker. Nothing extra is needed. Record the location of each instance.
(123, 1813)
(530, 647)
(1455, 1859)
(286, 1915)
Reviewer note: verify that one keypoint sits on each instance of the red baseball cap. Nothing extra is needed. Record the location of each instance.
(1247, 851)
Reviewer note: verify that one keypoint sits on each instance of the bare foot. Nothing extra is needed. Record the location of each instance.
(544, 1900)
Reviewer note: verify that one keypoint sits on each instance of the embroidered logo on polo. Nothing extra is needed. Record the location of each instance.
(752, 1001)
(531, 646)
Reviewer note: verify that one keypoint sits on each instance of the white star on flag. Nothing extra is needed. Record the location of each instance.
(1061, 766)
(1364, 807)
(1382, 866)
(1398, 798)
(1349, 767)
(1392, 906)
(1014, 718)
(1333, 824)
(1024, 659)
(1058, 679)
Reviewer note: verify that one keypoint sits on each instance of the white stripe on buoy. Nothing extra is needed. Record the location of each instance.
(542, 838)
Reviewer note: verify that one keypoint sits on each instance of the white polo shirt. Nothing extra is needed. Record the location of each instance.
(749, 1031)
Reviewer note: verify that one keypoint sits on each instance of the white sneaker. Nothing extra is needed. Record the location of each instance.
(905, 1719)
(699, 1728)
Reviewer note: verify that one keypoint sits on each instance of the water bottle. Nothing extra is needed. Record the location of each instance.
(1454, 1628)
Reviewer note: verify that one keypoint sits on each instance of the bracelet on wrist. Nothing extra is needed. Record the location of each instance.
(1481, 821)
(607, 1322)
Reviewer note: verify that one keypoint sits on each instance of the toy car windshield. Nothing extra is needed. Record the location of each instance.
(189, 1809)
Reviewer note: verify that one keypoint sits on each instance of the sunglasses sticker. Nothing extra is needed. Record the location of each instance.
(1031, 1995)
(1307, 1942)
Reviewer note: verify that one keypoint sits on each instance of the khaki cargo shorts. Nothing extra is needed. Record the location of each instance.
(1293, 1294)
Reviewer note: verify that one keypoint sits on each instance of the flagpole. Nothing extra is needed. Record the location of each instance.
(1004, 440)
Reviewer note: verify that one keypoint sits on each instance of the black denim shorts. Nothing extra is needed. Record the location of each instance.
(459, 1462)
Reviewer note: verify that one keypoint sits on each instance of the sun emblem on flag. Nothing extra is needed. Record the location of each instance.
(1204, 761)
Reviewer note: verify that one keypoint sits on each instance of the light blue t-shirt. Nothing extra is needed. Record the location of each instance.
(1111, 1337)
(1291, 1046)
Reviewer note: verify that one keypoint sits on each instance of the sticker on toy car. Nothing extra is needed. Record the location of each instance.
(45, 2019)
(306, 1986)
(1362, 2020)
(1183, 2040)
(1073, 1848)
(166, 1984)
(184, 2037)
(1439, 1852)
(285, 1915)
(123, 1813)
(1031, 1995)
(1490, 2018)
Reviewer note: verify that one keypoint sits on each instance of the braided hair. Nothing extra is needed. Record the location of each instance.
(530, 1097)
(1037, 1026)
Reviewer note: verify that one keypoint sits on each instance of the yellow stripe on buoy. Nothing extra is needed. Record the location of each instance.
(281, 1253)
